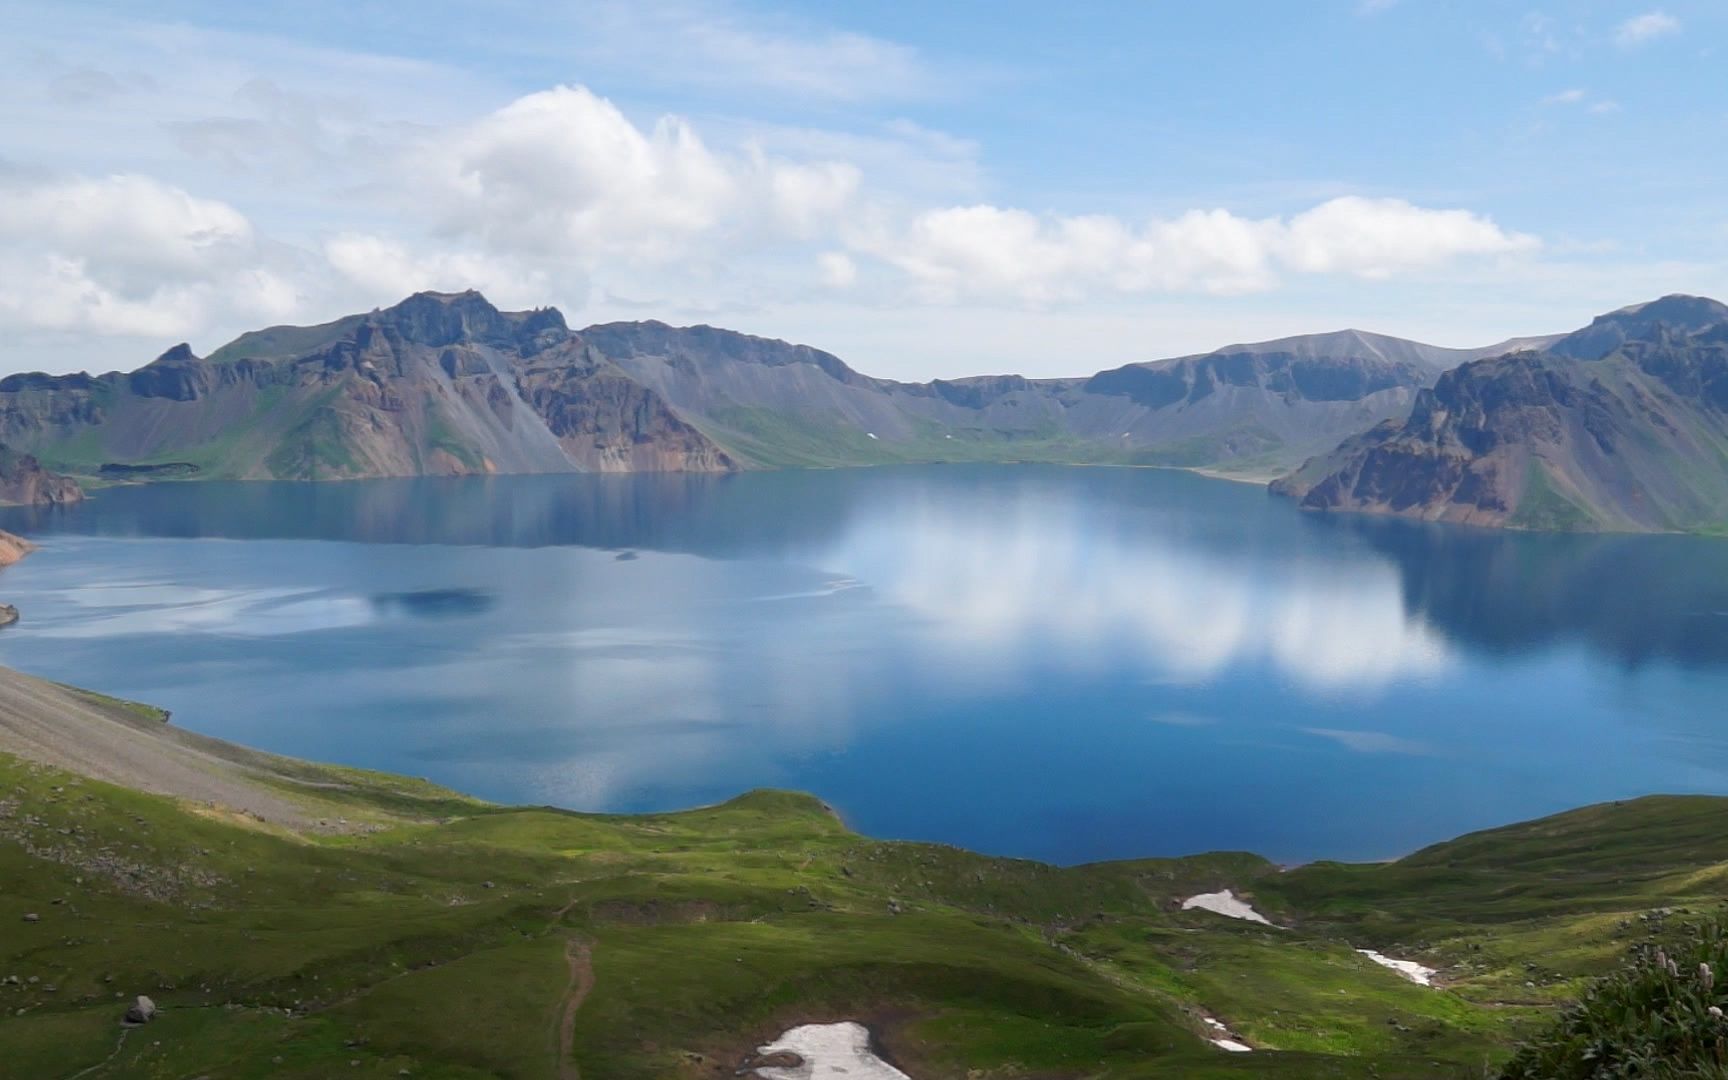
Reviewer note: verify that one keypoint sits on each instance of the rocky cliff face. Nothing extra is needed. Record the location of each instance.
(440, 384)
(606, 421)
(24, 482)
(1622, 426)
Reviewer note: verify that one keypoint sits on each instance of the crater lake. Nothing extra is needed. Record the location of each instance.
(1068, 664)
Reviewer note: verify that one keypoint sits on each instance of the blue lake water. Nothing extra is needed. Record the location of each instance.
(1063, 663)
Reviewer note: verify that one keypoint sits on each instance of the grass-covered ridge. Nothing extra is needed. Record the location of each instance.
(361, 924)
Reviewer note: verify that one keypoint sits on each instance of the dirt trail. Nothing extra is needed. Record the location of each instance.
(580, 956)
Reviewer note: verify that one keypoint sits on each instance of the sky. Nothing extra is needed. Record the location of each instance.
(926, 190)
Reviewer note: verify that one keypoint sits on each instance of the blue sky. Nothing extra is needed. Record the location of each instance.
(924, 189)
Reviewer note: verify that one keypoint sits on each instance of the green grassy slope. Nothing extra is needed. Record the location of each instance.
(408, 928)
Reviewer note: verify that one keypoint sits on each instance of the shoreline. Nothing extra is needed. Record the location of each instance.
(176, 735)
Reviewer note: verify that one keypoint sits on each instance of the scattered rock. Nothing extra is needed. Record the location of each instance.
(142, 1011)
(31, 916)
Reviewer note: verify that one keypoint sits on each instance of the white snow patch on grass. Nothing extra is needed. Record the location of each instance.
(1410, 969)
(1225, 1039)
(1224, 903)
(828, 1050)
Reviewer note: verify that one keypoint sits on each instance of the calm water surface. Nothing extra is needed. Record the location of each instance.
(1069, 664)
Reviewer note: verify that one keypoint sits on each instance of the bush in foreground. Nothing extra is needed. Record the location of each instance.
(1660, 1019)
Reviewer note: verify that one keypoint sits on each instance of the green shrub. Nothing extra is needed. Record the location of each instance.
(1660, 1019)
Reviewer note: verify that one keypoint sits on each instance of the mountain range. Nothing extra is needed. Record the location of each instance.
(1621, 426)
(448, 384)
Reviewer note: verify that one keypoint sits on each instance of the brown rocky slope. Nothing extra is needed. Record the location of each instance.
(24, 482)
(438, 384)
(1622, 426)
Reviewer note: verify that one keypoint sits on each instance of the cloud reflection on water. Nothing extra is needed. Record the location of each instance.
(1045, 581)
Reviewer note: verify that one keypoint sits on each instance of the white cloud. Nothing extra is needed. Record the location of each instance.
(1376, 238)
(837, 269)
(128, 255)
(990, 252)
(385, 271)
(806, 198)
(564, 172)
(712, 43)
(1578, 96)
(1646, 27)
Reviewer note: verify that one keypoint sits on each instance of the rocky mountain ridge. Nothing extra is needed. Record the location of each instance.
(441, 384)
(1621, 426)
(447, 384)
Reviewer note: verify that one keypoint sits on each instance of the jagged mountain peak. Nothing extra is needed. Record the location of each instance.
(433, 319)
(440, 319)
(178, 354)
(1676, 312)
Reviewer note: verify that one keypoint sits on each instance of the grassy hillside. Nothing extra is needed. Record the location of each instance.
(369, 925)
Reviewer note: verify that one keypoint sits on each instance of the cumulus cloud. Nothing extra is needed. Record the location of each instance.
(532, 201)
(990, 252)
(564, 172)
(1376, 238)
(129, 255)
(1646, 27)
(385, 270)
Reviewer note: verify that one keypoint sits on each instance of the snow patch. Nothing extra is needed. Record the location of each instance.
(1224, 903)
(828, 1050)
(1410, 969)
(1225, 1040)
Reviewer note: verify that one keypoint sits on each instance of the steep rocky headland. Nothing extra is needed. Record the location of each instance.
(1621, 426)
(24, 482)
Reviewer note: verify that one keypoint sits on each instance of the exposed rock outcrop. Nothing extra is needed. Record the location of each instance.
(13, 548)
(1622, 426)
(24, 482)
